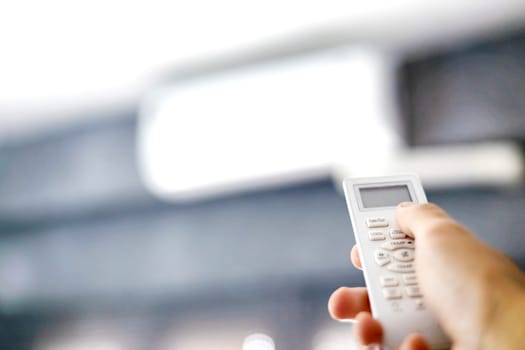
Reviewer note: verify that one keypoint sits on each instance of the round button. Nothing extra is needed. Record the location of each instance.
(404, 255)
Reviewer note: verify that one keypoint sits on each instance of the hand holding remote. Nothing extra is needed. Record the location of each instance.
(476, 292)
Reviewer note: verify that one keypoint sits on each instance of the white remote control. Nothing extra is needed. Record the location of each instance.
(387, 256)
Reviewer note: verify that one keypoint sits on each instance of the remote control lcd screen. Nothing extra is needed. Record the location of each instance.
(389, 196)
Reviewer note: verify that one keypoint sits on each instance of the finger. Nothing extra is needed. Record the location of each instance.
(423, 219)
(367, 329)
(347, 302)
(354, 257)
(414, 342)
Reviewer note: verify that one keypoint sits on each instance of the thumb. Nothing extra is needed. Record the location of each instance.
(418, 220)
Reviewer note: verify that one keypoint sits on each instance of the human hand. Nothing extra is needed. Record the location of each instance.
(476, 292)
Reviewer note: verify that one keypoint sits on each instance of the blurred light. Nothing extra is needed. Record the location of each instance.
(336, 336)
(284, 121)
(258, 341)
(202, 340)
(209, 331)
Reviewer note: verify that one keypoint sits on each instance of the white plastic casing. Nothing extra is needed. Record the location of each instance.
(405, 315)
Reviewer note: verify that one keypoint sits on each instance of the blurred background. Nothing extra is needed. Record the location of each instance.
(170, 171)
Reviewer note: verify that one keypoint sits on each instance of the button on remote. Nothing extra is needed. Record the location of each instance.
(404, 255)
(419, 304)
(376, 235)
(391, 293)
(398, 244)
(376, 222)
(413, 291)
(388, 281)
(381, 257)
(396, 234)
(409, 279)
(401, 267)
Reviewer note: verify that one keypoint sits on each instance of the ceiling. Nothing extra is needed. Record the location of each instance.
(62, 57)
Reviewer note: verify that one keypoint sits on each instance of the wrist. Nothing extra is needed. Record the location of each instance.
(506, 327)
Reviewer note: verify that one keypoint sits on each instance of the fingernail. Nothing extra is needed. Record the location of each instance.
(406, 204)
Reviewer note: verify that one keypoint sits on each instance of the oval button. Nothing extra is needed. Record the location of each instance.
(381, 257)
(404, 255)
(396, 234)
(401, 267)
(376, 222)
(398, 244)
